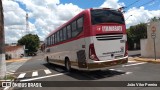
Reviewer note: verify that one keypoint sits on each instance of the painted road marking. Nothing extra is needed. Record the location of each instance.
(128, 72)
(116, 70)
(21, 75)
(132, 61)
(47, 71)
(133, 64)
(31, 79)
(34, 74)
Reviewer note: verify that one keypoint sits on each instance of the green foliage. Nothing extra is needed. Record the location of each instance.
(155, 19)
(31, 42)
(135, 33)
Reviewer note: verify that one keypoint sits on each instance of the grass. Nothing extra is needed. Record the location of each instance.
(7, 77)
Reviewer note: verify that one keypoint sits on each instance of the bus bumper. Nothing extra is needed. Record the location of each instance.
(107, 65)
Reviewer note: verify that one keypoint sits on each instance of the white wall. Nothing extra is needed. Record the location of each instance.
(147, 45)
(16, 53)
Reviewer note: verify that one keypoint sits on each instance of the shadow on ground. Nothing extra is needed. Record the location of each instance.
(85, 75)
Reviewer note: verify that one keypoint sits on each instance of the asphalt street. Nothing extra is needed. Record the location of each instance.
(37, 69)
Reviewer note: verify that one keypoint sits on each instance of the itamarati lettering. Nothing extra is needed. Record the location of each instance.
(111, 28)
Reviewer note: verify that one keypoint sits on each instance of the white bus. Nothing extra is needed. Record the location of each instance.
(94, 39)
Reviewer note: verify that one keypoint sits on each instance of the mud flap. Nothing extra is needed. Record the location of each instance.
(81, 59)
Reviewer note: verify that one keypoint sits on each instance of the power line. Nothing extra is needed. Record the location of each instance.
(146, 3)
(132, 3)
(140, 5)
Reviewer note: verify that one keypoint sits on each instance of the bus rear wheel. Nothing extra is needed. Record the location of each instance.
(67, 65)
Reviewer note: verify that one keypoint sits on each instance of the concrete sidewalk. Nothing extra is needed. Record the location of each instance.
(15, 64)
(141, 59)
(18, 59)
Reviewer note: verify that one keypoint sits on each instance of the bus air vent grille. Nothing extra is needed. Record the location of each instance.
(109, 37)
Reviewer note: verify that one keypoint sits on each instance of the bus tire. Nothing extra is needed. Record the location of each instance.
(67, 65)
(47, 59)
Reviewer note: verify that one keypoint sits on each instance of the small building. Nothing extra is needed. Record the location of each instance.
(13, 52)
(147, 45)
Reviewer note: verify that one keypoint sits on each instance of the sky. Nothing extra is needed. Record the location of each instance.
(47, 15)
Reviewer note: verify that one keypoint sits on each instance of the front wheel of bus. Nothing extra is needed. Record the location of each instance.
(47, 59)
(67, 65)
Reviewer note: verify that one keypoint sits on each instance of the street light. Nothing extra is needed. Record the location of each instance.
(128, 17)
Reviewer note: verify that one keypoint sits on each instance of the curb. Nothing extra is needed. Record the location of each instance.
(147, 60)
(18, 60)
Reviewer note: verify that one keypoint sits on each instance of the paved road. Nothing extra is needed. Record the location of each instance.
(37, 69)
(134, 52)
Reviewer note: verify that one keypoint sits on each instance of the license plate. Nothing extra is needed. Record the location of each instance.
(116, 57)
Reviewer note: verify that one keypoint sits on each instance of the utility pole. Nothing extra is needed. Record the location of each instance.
(27, 24)
(2, 44)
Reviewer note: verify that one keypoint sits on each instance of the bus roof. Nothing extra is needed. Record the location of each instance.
(82, 12)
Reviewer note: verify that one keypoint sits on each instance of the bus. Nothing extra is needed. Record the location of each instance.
(95, 39)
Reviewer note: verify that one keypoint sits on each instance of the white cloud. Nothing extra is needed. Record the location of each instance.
(50, 14)
(140, 15)
(112, 4)
(14, 21)
(133, 15)
(11, 13)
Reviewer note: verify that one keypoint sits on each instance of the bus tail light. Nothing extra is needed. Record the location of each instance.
(92, 53)
(126, 49)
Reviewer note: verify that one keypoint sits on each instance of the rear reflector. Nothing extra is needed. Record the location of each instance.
(126, 49)
(92, 53)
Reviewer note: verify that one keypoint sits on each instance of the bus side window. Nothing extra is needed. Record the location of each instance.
(74, 29)
(64, 33)
(55, 38)
(68, 31)
(50, 40)
(60, 36)
(80, 24)
(58, 39)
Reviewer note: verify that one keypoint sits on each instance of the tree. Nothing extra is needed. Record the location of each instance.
(135, 33)
(31, 42)
(155, 19)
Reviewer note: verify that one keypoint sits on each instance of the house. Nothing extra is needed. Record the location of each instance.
(13, 52)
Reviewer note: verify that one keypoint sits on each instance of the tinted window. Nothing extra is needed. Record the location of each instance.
(64, 34)
(106, 16)
(60, 35)
(74, 29)
(68, 31)
(80, 24)
(55, 37)
(52, 39)
(47, 41)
